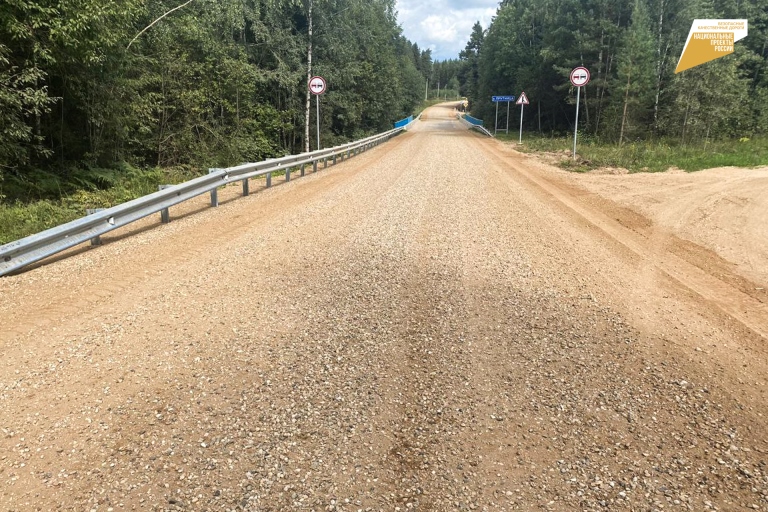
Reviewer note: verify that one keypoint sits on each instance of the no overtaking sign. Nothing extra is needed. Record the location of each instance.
(579, 76)
(317, 85)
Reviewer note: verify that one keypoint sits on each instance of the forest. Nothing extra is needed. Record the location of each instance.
(120, 95)
(90, 88)
(631, 49)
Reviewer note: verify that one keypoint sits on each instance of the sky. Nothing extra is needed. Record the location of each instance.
(443, 25)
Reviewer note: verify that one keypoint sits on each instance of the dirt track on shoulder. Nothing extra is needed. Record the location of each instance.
(438, 324)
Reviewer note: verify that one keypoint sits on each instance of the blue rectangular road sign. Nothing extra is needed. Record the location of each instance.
(499, 99)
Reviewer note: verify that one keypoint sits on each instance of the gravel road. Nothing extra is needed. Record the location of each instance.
(438, 324)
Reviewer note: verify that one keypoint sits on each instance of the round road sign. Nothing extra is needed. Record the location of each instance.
(317, 85)
(579, 76)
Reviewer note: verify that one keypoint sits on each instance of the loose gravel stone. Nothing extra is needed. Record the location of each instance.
(423, 327)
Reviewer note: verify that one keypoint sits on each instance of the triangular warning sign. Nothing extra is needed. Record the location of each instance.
(523, 99)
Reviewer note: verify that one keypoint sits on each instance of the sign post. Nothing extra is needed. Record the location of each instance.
(522, 101)
(317, 86)
(497, 100)
(579, 78)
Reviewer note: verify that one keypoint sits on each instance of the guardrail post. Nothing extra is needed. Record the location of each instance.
(246, 188)
(269, 179)
(215, 191)
(314, 166)
(302, 169)
(90, 211)
(334, 160)
(165, 214)
(288, 174)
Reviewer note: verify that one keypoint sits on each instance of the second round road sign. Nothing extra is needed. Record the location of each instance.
(579, 76)
(317, 85)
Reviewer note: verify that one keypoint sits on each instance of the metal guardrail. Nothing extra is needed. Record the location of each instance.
(34, 248)
(404, 122)
(473, 123)
(472, 120)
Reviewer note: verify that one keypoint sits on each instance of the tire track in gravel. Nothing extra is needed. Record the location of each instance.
(408, 335)
(715, 289)
(586, 416)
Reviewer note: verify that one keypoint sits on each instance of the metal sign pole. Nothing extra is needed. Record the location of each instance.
(496, 126)
(576, 126)
(522, 108)
(317, 102)
(507, 130)
(317, 86)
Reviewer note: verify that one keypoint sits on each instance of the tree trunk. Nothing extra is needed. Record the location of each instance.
(659, 68)
(163, 120)
(37, 110)
(586, 104)
(600, 80)
(539, 104)
(685, 122)
(626, 103)
(308, 108)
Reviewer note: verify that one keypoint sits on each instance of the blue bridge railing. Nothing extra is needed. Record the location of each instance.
(404, 122)
(474, 121)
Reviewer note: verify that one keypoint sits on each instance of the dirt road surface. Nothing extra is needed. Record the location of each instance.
(438, 324)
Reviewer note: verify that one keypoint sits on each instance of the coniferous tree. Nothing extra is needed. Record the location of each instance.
(635, 73)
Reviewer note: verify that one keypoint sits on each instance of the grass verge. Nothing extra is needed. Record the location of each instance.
(647, 156)
(19, 219)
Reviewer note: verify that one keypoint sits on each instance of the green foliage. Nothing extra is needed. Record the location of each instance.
(20, 220)
(20, 100)
(634, 77)
(214, 83)
(23, 218)
(631, 49)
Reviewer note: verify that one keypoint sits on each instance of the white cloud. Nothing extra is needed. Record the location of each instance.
(439, 29)
(443, 25)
